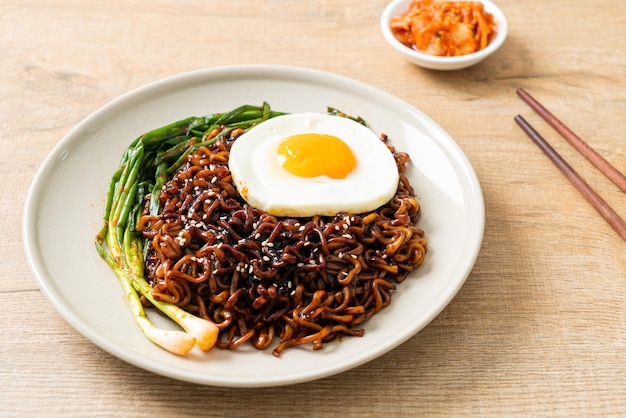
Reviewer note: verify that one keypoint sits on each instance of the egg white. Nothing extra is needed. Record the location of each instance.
(262, 181)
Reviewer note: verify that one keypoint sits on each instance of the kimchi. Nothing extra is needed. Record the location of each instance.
(444, 28)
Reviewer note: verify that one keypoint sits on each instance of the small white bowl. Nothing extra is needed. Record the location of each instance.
(397, 7)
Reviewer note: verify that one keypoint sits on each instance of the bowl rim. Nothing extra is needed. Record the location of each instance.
(501, 34)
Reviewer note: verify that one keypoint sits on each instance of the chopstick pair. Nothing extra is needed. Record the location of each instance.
(611, 217)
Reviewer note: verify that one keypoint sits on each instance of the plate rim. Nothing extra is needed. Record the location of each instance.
(29, 224)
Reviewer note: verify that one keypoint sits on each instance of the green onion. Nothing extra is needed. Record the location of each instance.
(145, 167)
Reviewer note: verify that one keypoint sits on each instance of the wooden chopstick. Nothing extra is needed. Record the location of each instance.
(596, 159)
(588, 193)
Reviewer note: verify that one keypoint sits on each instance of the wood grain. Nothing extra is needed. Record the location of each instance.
(539, 327)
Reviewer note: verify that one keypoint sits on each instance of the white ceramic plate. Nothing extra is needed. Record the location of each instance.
(65, 205)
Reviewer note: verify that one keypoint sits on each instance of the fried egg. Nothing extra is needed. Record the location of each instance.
(307, 164)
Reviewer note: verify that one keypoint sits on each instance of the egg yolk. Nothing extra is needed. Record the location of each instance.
(313, 155)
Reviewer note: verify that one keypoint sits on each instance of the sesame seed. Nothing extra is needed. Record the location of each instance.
(353, 256)
(345, 226)
(266, 258)
(213, 179)
(257, 236)
(300, 264)
(347, 236)
(340, 255)
(289, 285)
(250, 270)
(269, 244)
(301, 229)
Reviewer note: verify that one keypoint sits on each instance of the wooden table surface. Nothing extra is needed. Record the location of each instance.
(538, 328)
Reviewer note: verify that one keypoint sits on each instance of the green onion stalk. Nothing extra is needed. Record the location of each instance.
(145, 167)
